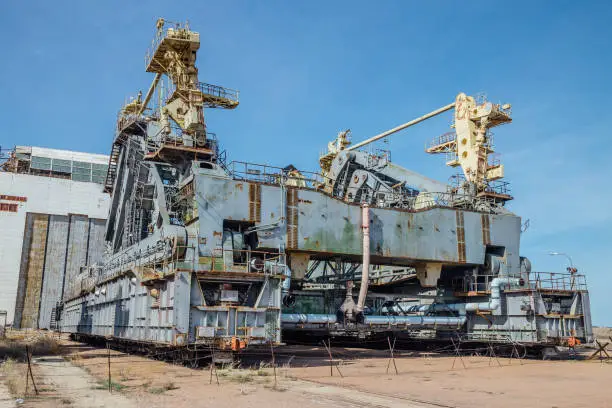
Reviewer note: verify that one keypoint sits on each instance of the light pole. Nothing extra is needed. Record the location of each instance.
(570, 269)
(563, 254)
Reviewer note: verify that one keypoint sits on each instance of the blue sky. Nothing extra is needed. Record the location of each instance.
(306, 70)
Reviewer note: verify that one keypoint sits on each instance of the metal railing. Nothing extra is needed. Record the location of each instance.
(177, 31)
(240, 260)
(498, 187)
(177, 138)
(441, 140)
(219, 92)
(558, 281)
(549, 281)
(275, 175)
(494, 160)
(405, 200)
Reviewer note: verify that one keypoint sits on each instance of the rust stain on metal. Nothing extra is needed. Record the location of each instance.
(304, 201)
(292, 218)
(486, 232)
(254, 202)
(217, 234)
(34, 270)
(460, 237)
(239, 186)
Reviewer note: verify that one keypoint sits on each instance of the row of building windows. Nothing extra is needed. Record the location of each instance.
(78, 170)
(13, 198)
(9, 207)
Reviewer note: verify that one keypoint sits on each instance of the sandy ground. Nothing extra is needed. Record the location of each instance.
(76, 387)
(6, 400)
(304, 380)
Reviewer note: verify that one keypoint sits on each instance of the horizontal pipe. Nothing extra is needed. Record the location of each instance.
(401, 127)
(421, 321)
(492, 304)
(300, 318)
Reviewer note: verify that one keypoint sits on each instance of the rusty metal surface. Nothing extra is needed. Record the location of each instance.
(460, 236)
(292, 218)
(34, 269)
(255, 202)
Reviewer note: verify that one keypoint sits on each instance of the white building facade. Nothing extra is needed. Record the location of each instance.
(52, 221)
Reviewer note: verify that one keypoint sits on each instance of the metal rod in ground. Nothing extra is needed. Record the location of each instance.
(110, 388)
(27, 376)
(392, 356)
(515, 352)
(331, 359)
(457, 352)
(30, 370)
(273, 361)
(212, 365)
(493, 355)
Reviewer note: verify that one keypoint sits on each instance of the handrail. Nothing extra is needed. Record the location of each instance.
(554, 281)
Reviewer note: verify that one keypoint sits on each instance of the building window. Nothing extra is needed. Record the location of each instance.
(13, 198)
(8, 207)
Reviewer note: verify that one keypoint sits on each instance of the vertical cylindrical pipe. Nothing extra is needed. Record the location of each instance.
(365, 268)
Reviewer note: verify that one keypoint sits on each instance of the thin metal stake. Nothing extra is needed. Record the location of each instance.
(331, 360)
(493, 355)
(110, 388)
(273, 361)
(392, 358)
(212, 365)
(515, 352)
(601, 349)
(457, 352)
(27, 375)
(30, 371)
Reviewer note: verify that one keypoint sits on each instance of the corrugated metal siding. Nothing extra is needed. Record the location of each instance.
(35, 263)
(96, 241)
(77, 246)
(55, 265)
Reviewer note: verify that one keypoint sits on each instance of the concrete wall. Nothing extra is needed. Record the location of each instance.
(45, 196)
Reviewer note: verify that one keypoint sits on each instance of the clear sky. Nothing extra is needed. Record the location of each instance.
(307, 69)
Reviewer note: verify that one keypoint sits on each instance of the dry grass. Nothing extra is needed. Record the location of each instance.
(13, 356)
(602, 333)
(165, 387)
(14, 374)
(14, 345)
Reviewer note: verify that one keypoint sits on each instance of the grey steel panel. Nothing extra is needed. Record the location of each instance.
(95, 250)
(55, 265)
(327, 225)
(77, 247)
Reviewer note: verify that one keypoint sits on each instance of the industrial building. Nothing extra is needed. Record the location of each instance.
(52, 217)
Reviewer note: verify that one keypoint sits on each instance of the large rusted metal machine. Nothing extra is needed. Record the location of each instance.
(204, 252)
(174, 273)
(434, 261)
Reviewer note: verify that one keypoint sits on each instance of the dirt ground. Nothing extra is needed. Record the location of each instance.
(603, 334)
(79, 379)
